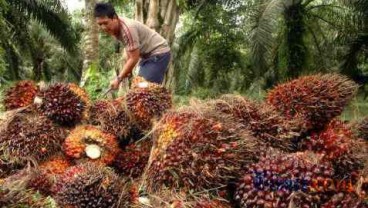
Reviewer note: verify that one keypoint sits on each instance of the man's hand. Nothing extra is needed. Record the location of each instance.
(114, 84)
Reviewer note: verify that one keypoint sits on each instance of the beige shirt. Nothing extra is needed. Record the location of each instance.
(136, 35)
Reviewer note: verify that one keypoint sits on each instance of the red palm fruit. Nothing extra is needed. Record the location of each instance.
(133, 159)
(196, 148)
(145, 103)
(275, 178)
(20, 95)
(28, 135)
(90, 143)
(261, 119)
(316, 99)
(111, 117)
(66, 104)
(94, 186)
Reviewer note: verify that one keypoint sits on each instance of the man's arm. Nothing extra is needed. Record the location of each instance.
(132, 60)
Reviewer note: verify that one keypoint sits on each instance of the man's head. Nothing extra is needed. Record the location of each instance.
(107, 18)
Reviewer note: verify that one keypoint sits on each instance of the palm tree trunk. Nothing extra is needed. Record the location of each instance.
(90, 46)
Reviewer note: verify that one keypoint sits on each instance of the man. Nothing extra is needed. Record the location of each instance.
(140, 42)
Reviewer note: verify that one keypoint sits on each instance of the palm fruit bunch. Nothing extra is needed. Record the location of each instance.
(147, 102)
(90, 143)
(29, 135)
(133, 159)
(338, 146)
(345, 200)
(361, 128)
(139, 81)
(20, 95)
(45, 175)
(94, 186)
(196, 148)
(315, 99)
(275, 178)
(262, 120)
(66, 104)
(111, 117)
(333, 141)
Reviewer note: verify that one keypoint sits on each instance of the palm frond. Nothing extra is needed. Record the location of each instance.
(265, 24)
(52, 16)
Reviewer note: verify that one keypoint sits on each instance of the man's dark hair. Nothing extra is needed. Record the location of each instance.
(104, 10)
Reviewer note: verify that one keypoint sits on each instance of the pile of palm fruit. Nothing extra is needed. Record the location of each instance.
(59, 149)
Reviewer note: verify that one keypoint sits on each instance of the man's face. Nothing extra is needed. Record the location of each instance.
(108, 25)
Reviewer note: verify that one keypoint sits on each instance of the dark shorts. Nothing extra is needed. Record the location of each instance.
(153, 68)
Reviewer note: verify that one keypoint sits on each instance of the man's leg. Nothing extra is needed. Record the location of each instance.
(153, 69)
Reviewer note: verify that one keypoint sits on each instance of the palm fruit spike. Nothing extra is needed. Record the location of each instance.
(20, 95)
(145, 103)
(111, 117)
(361, 128)
(316, 99)
(94, 186)
(89, 142)
(133, 159)
(28, 135)
(345, 200)
(196, 148)
(66, 104)
(272, 181)
(263, 121)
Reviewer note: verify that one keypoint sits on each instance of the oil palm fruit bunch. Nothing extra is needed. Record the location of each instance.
(261, 119)
(66, 104)
(337, 145)
(44, 178)
(94, 186)
(316, 99)
(196, 148)
(361, 128)
(20, 95)
(272, 181)
(29, 135)
(345, 200)
(111, 117)
(133, 159)
(90, 143)
(333, 141)
(146, 102)
(139, 81)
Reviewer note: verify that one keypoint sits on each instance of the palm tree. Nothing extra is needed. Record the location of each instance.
(16, 39)
(287, 32)
(357, 41)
